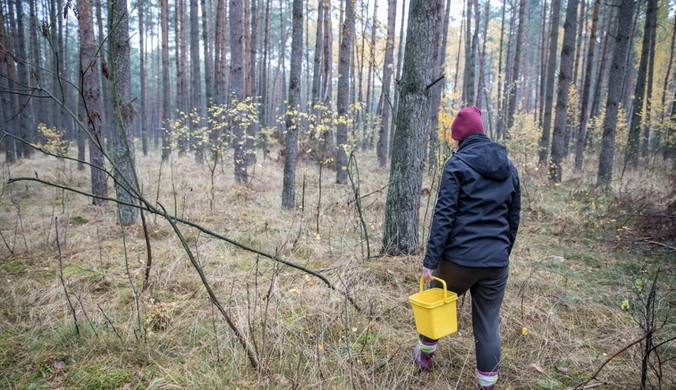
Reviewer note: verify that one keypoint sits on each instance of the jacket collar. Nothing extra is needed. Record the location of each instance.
(473, 139)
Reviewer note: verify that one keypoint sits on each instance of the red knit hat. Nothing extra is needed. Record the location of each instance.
(466, 123)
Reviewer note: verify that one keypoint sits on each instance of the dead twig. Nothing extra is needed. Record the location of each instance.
(109, 321)
(63, 282)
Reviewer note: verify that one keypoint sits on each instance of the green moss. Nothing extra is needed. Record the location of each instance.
(12, 267)
(98, 376)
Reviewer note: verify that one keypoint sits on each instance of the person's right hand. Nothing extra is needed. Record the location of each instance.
(427, 273)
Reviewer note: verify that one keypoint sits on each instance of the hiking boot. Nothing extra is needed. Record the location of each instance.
(422, 359)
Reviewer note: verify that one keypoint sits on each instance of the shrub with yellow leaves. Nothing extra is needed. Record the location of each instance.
(523, 142)
(54, 141)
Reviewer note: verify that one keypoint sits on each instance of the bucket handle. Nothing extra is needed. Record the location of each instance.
(443, 282)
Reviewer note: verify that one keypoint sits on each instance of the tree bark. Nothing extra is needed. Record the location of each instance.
(645, 143)
(199, 123)
(631, 154)
(617, 71)
(42, 108)
(602, 65)
(208, 56)
(436, 90)
(317, 63)
(403, 196)
(669, 147)
(106, 98)
(219, 57)
(166, 82)
(327, 67)
(26, 117)
(386, 98)
(293, 121)
(542, 46)
(142, 70)
(237, 86)
(122, 136)
(567, 54)
(549, 94)
(7, 98)
(90, 99)
(580, 32)
(584, 97)
(342, 101)
(400, 60)
(517, 61)
(500, 78)
(372, 60)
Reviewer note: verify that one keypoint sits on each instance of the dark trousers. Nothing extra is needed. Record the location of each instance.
(487, 287)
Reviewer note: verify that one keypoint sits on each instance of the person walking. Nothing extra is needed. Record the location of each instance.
(473, 231)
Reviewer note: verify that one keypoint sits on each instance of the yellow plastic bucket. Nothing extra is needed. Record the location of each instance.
(434, 311)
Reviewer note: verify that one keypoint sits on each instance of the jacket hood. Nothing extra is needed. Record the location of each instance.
(488, 158)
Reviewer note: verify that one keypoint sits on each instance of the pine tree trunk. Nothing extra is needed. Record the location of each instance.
(473, 98)
(385, 106)
(342, 101)
(7, 98)
(584, 97)
(468, 47)
(327, 68)
(221, 49)
(372, 61)
(517, 61)
(602, 65)
(580, 32)
(26, 118)
(208, 56)
(617, 71)
(500, 78)
(482, 56)
(143, 114)
(293, 121)
(435, 94)
(122, 136)
(42, 109)
(645, 143)
(90, 99)
(197, 106)
(457, 59)
(166, 81)
(549, 94)
(106, 97)
(542, 44)
(400, 60)
(631, 154)
(253, 128)
(669, 147)
(265, 69)
(237, 86)
(403, 196)
(565, 75)
(316, 73)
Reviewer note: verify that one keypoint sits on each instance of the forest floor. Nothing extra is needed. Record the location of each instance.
(580, 270)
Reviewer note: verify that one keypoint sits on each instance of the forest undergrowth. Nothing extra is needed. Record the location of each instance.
(581, 275)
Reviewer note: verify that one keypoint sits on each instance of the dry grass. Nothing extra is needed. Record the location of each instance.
(306, 335)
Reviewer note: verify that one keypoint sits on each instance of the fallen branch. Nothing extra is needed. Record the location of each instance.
(613, 356)
(659, 244)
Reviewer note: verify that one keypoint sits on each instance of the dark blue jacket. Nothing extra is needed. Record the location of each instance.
(478, 210)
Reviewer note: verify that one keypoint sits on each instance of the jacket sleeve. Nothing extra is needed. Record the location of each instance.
(444, 215)
(514, 212)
